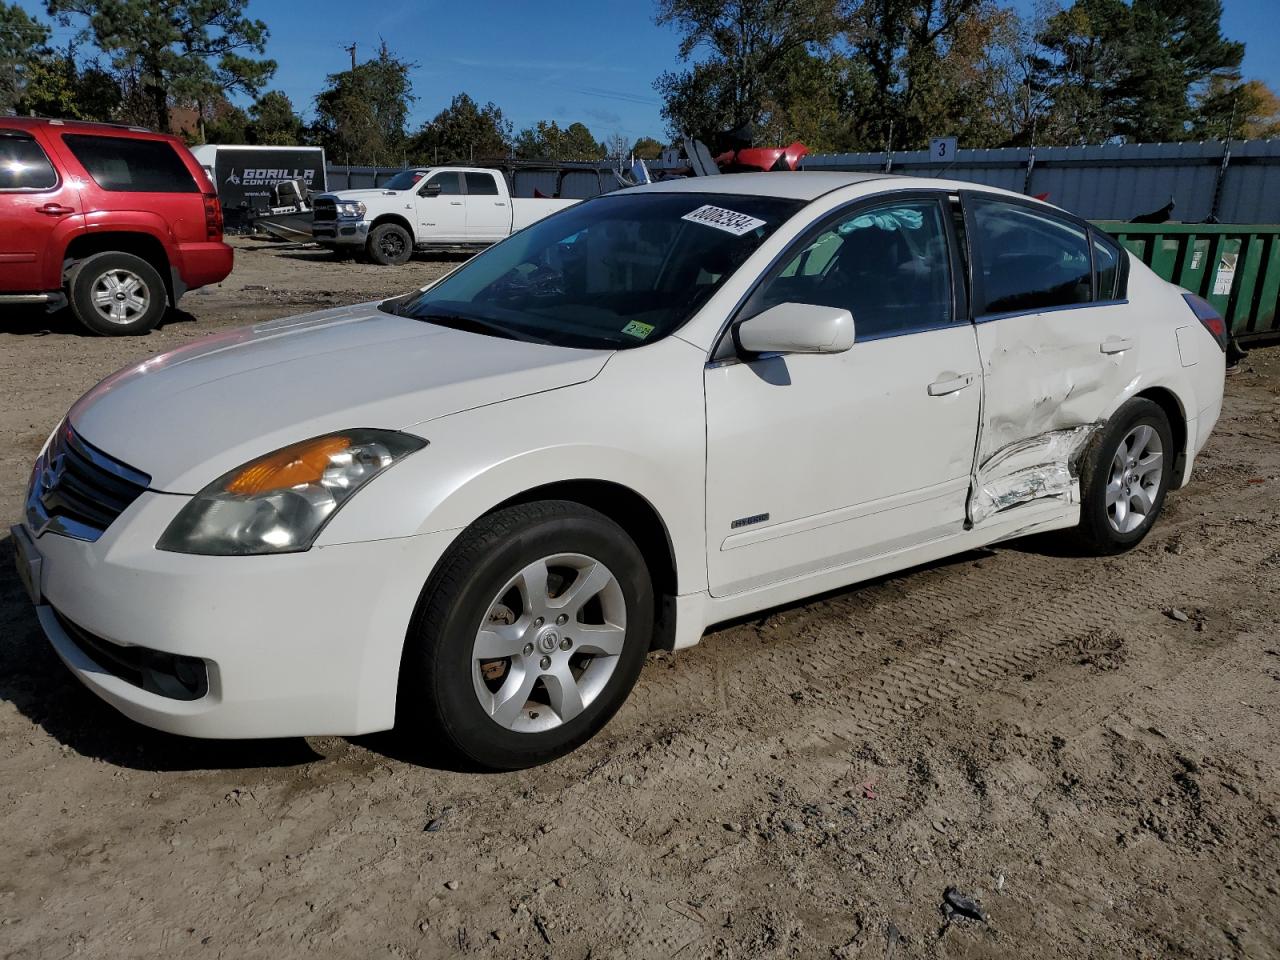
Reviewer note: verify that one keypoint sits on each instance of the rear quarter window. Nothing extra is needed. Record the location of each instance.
(124, 165)
(23, 164)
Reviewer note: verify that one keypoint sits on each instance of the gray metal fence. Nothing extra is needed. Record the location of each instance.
(1237, 182)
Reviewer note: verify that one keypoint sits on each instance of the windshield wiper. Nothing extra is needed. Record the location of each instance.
(477, 324)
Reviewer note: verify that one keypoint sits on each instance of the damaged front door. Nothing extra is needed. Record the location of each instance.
(1055, 354)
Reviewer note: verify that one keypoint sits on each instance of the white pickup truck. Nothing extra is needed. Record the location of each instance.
(425, 208)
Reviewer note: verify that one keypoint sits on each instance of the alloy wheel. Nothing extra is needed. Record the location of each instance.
(550, 642)
(1137, 471)
(120, 296)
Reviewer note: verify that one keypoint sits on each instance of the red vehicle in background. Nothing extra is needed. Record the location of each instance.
(116, 222)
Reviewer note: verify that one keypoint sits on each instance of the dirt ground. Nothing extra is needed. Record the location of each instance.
(1088, 748)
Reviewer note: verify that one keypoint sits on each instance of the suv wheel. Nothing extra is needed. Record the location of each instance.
(117, 294)
(528, 638)
(1124, 477)
(389, 244)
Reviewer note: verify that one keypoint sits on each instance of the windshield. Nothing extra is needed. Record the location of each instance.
(616, 272)
(404, 180)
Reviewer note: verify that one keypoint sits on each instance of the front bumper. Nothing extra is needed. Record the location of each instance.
(294, 645)
(340, 233)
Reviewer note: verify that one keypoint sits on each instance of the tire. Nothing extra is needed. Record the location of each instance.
(117, 294)
(1113, 520)
(505, 713)
(389, 244)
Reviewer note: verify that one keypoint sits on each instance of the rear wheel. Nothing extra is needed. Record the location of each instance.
(1125, 476)
(529, 636)
(389, 244)
(117, 294)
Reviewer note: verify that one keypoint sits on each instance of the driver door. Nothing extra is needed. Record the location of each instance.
(820, 461)
(442, 209)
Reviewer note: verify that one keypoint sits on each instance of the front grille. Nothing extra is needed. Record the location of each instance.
(164, 674)
(77, 490)
(325, 208)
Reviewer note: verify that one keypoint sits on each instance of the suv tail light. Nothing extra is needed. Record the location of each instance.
(212, 216)
(1209, 316)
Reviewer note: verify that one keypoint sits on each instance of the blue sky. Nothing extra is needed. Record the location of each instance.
(562, 60)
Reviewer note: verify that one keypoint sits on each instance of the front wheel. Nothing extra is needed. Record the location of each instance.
(529, 636)
(389, 244)
(1124, 477)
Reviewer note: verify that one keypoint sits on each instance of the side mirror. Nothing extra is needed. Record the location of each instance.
(432, 189)
(796, 328)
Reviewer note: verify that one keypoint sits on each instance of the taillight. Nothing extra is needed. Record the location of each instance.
(212, 216)
(1209, 316)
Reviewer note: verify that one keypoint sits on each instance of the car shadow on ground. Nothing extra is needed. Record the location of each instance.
(40, 687)
(37, 322)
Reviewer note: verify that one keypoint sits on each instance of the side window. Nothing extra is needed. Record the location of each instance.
(124, 165)
(1029, 259)
(23, 164)
(1106, 270)
(887, 265)
(482, 184)
(450, 183)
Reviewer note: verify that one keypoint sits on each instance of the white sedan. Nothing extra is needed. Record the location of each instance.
(472, 511)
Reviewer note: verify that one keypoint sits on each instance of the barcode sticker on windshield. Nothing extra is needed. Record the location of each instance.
(727, 220)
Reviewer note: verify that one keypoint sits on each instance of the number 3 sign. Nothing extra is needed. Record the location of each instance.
(942, 149)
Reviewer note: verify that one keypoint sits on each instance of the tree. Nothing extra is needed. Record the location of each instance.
(746, 45)
(647, 148)
(361, 114)
(463, 132)
(57, 84)
(547, 141)
(224, 122)
(273, 120)
(22, 41)
(175, 51)
(1231, 108)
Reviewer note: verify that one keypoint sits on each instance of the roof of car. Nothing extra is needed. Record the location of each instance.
(20, 123)
(800, 185)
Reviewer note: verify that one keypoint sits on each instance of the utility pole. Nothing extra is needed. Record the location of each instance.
(352, 50)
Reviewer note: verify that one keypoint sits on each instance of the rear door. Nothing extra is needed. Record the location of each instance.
(488, 210)
(822, 461)
(442, 217)
(1056, 342)
(39, 212)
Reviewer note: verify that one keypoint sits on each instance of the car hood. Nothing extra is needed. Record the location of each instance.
(190, 415)
(361, 194)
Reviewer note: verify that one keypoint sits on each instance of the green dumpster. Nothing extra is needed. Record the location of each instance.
(1235, 266)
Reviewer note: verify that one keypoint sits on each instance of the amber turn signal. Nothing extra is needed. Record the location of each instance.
(293, 466)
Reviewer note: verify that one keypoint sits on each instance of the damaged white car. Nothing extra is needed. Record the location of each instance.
(474, 509)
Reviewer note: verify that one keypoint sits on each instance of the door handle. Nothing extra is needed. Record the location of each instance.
(940, 388)
(55, 210)
(499, 203)
(455, 203)
(1116, 344)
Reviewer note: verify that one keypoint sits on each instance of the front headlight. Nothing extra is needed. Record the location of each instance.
(350, 209)
(279, 503)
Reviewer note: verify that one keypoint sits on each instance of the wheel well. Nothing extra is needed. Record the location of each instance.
(637, 516)
(139, 244)
(1167, 401)
(392, 218)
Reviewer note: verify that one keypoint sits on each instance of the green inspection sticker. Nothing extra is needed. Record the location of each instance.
(637, 329)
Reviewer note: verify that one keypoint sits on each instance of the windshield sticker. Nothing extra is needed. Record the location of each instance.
(722, 219)
(637, 329)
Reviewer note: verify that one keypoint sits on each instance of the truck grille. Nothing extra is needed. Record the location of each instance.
(325, 208)
(77, 490)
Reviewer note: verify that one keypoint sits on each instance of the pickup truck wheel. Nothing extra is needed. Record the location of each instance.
(389, 244)
(117, 294)
(1124, 476)
(528, 638)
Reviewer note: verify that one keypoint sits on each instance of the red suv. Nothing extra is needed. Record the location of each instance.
(118, 222)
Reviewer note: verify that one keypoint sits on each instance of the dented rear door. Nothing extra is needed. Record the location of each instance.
(1054, 355)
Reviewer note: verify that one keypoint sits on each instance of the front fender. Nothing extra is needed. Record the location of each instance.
(615, 428)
